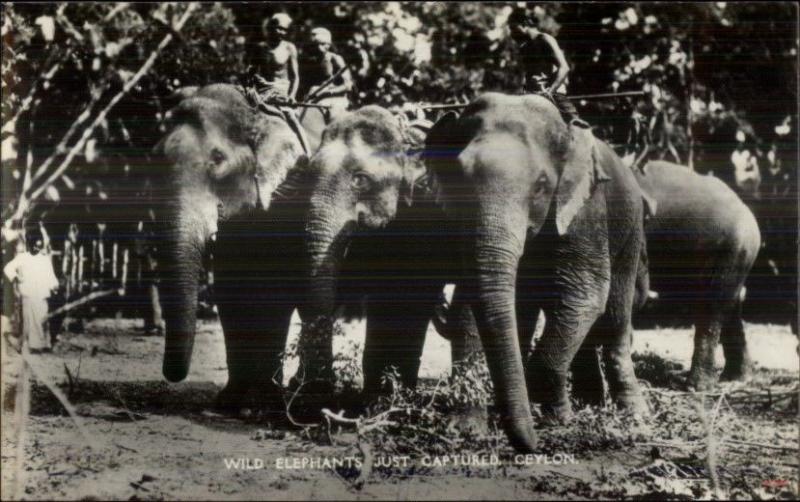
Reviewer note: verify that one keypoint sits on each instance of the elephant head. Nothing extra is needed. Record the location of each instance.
(505, 168)
(360, 173)
(225, 160)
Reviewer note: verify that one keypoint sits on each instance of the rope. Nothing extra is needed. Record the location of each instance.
(607, 95)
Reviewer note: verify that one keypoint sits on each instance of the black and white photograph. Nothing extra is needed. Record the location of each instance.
(399, 251)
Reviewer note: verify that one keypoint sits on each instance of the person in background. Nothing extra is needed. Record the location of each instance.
(328, 77)
(746, 172)
(32, 274)
(545, 68)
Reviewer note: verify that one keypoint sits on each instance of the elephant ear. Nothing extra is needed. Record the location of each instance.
(440, 137)
(581, 173)
(443, 142)
(413, 170)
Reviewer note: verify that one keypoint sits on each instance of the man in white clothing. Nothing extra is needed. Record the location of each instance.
(34, 279)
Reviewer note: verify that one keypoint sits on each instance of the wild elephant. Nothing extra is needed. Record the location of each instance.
(224, 162)
(702, 221)
(371, 234)
(556, 222)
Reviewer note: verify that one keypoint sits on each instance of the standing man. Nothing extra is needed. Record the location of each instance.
(328, 76)
(274, 70)
(545, 69)
(32, 273)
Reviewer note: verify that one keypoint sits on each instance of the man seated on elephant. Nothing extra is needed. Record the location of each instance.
(544, 66)
(274, 70)
(328, 77)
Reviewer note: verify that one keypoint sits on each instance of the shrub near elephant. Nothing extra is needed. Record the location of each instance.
(225, 162)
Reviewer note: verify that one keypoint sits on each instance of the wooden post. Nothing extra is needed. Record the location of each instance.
(690, 93)
(101, 254)
(124, 280)
(93, 267)
(80, 285)
(114, 250)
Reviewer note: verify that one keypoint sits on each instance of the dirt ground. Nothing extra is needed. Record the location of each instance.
(148, 439)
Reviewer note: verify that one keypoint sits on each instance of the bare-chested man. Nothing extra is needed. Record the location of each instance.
(274, 71)
(326, 65)
(543, 62)
(274, 68)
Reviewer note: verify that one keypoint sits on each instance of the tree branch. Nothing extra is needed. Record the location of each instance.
(24, 205)
(61, 147)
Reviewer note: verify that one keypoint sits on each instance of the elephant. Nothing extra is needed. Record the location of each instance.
(702, 220)
(556, 222)
(371, 234)
(517, 190)
(226, 167)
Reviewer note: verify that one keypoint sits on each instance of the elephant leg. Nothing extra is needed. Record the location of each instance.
(738, 365)
(718, 306)
(463, 331)
(396, 330)
(587, 376)
(255, 294)
(577, 298)
(614, 331)
(255, 338)
(467, 353)
(550, 361)
(702, 375)
(622, 383)
(527, 317)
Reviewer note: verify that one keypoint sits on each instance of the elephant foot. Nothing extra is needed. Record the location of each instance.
(554, 415)
(633, 403)
(251, 401)
(701, 380)
(471, 420)
(737, 371)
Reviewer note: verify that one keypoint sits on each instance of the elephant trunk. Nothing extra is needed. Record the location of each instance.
(325, 248)
(497, 253)
(181, 264)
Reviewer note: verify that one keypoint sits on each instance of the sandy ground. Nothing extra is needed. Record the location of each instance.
(154, 440)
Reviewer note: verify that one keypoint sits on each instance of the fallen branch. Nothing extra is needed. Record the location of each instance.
(77, 303)
(62, 399)
(366, 465)
(794, 449)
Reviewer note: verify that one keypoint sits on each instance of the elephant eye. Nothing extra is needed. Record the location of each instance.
(361, 181)
(217, 156)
